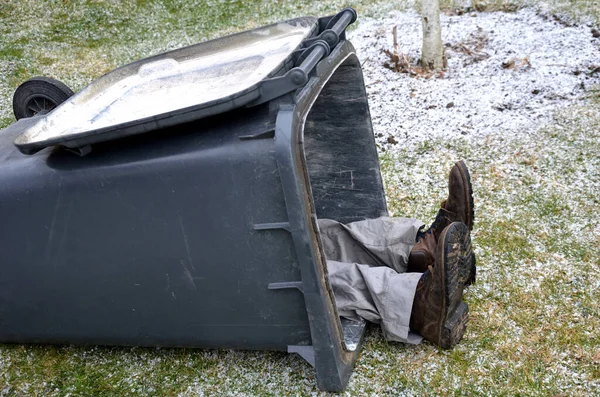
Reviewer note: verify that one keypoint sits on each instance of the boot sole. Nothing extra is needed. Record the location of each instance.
(466, 176)
(457, 257)
(469, 270)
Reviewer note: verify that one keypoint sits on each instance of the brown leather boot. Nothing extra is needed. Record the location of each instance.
(438, 312)
(458, 207)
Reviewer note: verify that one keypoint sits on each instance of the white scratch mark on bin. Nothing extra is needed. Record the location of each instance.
(185, 241)
(187, 276)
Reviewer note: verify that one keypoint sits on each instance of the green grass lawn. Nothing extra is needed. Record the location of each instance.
(534, 326)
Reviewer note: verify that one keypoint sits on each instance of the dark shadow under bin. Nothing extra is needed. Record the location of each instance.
(199, 235)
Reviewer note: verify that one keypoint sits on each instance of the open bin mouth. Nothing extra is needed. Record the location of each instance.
(342, 161)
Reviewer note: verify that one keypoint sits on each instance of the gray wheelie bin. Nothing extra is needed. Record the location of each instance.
(173, 201)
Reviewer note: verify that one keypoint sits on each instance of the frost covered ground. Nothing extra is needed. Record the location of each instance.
(546, 65)
(530, 133)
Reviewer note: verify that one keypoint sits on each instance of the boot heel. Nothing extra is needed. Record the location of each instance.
(469, 270)
(455, 326)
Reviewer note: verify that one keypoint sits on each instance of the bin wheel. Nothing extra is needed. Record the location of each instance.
(39, 95)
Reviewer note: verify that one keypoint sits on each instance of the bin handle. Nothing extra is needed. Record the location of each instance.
(312, 55)
(317, 48)
(296, 77)
(337, 26)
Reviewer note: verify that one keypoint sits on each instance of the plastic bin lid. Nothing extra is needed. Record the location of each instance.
(168, 89)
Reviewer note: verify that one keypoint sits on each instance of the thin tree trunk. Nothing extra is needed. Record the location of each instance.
(432, 54)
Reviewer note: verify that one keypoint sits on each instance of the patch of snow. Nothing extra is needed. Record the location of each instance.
(476, 96)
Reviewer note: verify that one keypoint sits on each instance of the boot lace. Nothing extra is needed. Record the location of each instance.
(436, 223)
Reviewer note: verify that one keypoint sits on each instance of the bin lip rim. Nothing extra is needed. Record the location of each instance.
(225, 71)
